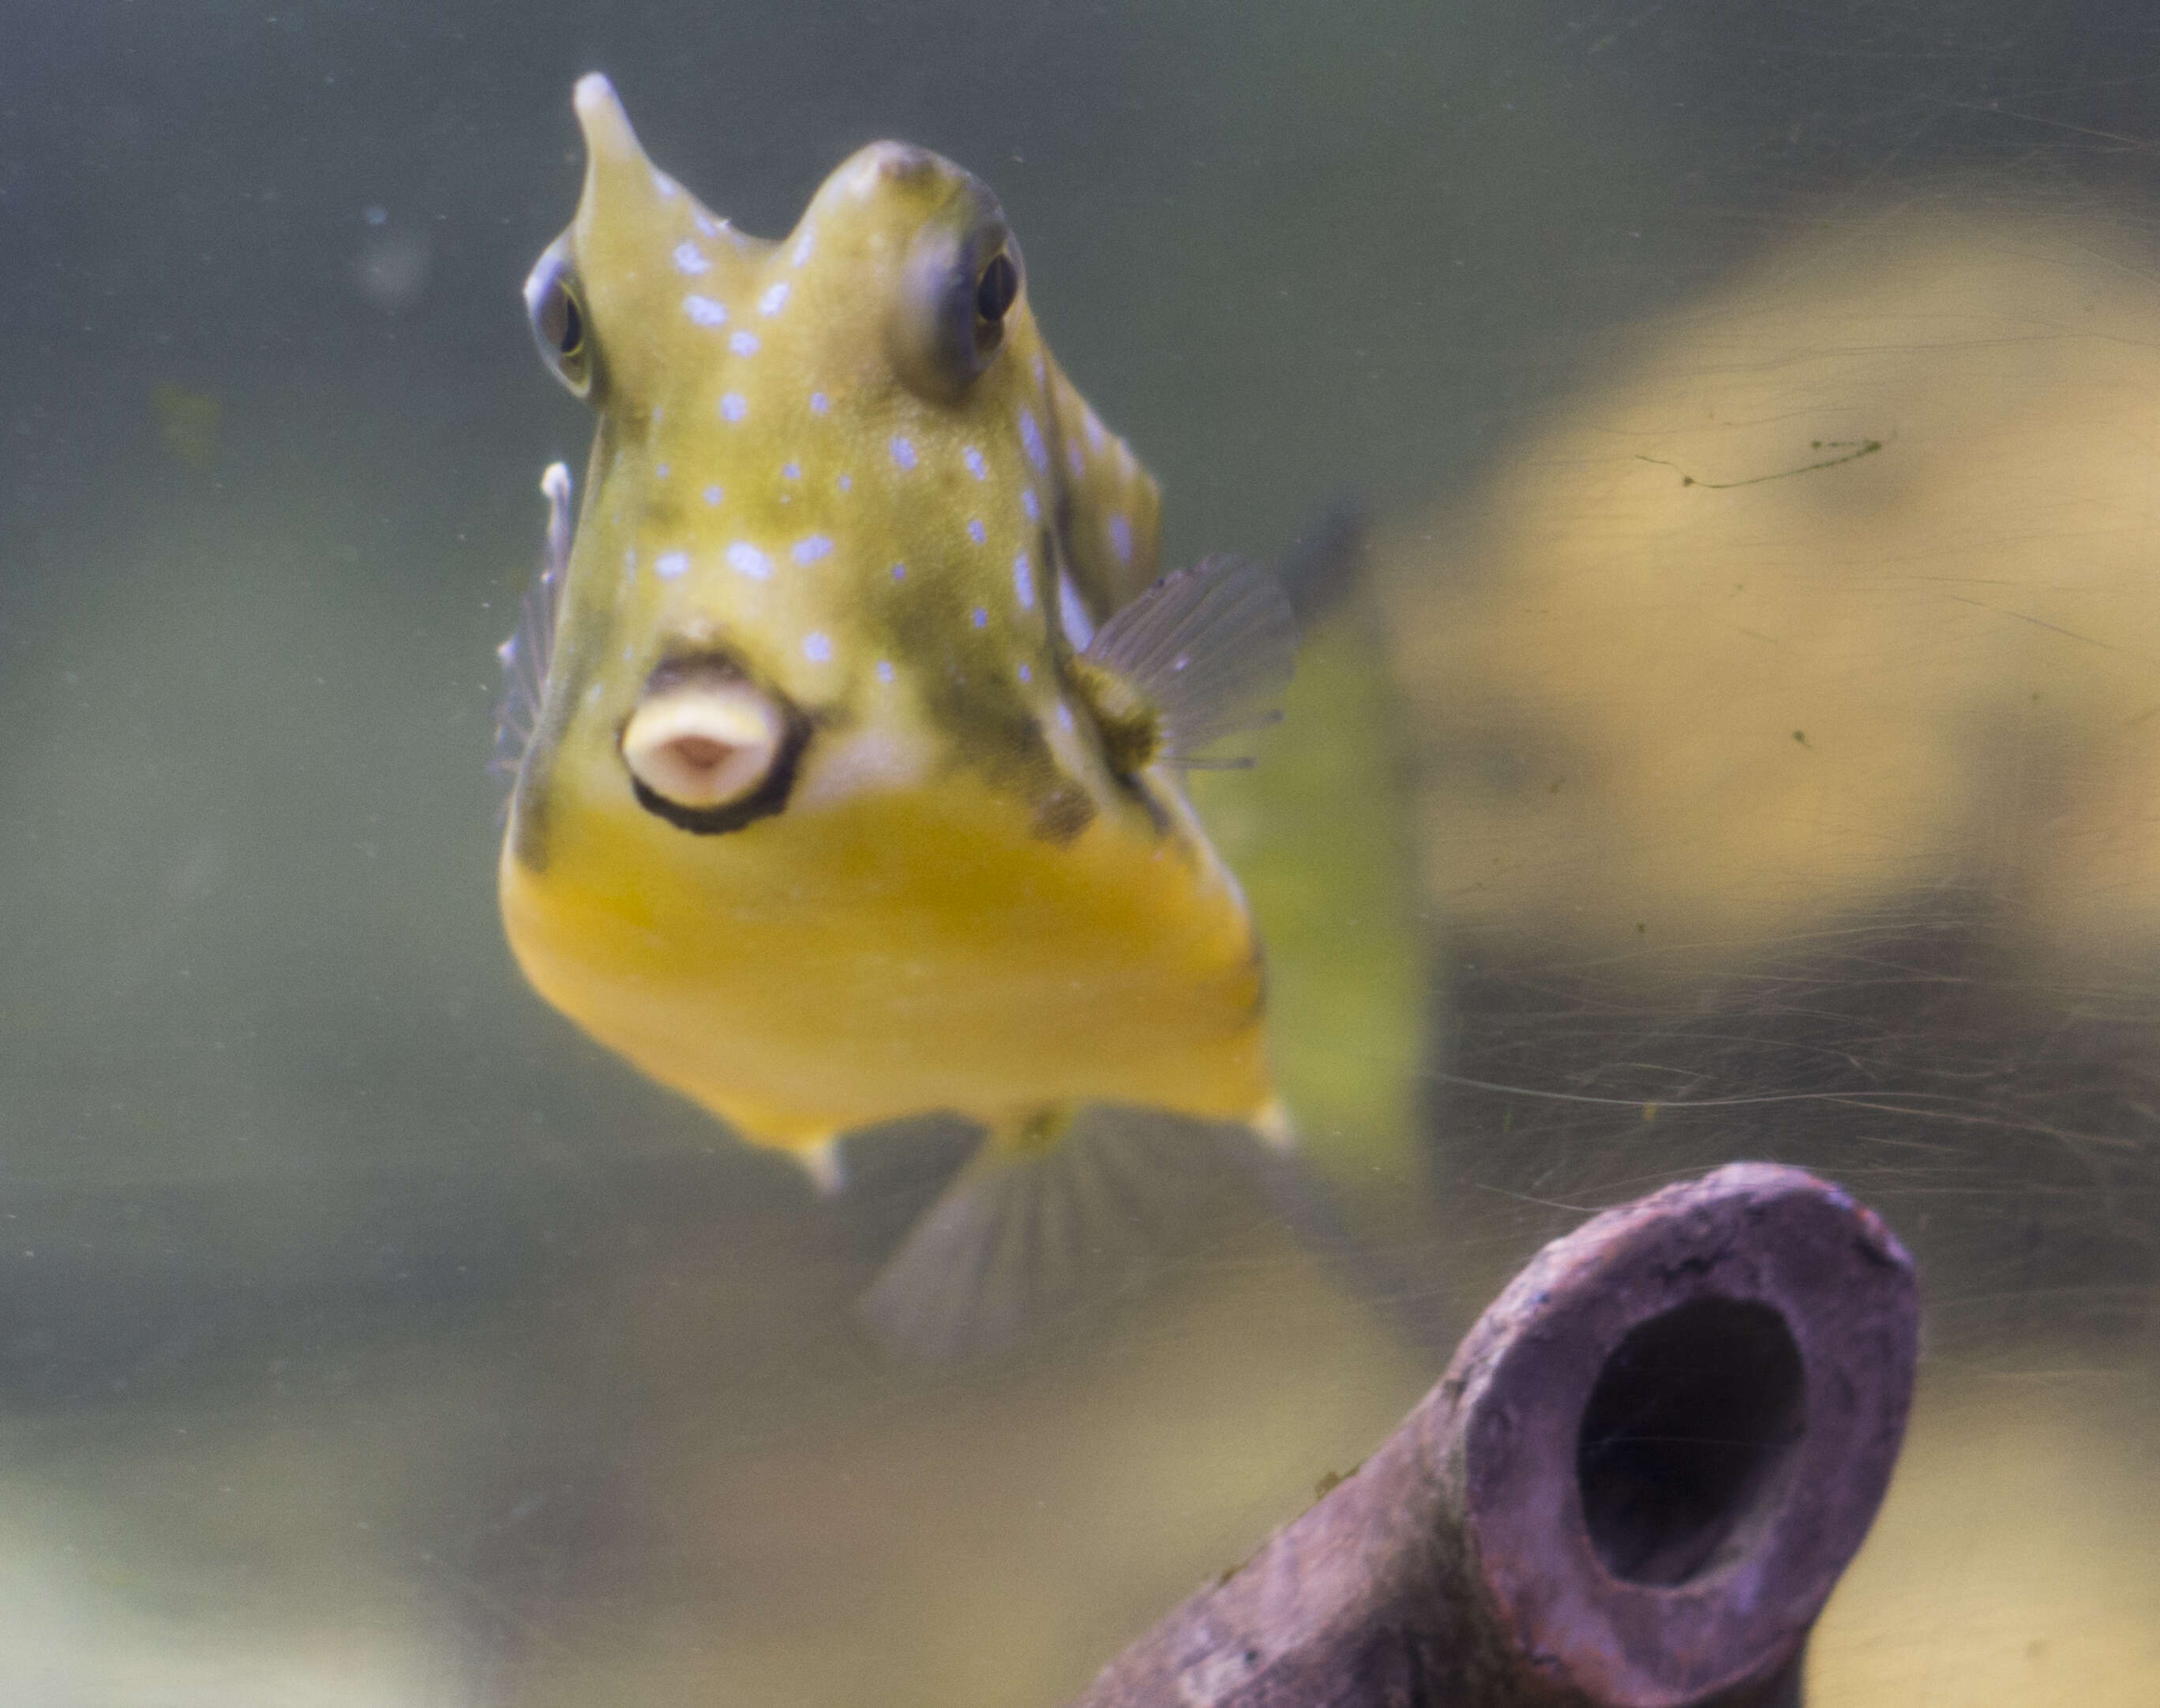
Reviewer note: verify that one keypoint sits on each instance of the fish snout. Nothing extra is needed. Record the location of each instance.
(710, 751)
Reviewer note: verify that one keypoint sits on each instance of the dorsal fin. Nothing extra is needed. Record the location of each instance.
(1207, 652)
(526, 654)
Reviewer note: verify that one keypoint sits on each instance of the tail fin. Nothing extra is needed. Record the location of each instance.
(1050, 1212)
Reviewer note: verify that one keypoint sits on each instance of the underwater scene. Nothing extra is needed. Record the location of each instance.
(821, 823)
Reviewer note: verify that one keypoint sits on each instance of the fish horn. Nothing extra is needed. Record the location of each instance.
(606, 127)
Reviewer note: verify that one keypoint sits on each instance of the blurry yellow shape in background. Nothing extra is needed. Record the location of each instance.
(1698, 670)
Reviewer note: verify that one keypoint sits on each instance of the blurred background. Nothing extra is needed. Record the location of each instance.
(1745, 742)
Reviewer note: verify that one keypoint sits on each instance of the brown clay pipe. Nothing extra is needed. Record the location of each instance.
(1634, 1487)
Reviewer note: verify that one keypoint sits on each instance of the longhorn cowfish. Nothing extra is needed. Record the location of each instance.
(848, 723)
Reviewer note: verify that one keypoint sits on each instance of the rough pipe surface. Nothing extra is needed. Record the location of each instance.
(1635, 1486)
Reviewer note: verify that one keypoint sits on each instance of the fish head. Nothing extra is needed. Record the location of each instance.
(845, 524)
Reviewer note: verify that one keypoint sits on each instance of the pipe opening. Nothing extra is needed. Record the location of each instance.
(1688, 1438)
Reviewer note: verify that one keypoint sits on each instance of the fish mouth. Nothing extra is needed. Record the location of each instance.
(710, 751)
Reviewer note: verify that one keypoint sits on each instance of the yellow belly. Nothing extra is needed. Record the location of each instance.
(898, 954)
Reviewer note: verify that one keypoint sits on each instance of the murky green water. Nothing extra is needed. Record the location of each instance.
(1743, 747)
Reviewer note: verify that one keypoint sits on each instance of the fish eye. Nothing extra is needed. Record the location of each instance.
(561, 324)
(710, 751)
(959, 282)
(559, 321)
(995, 289)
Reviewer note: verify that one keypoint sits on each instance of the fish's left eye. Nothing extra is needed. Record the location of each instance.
(962, 278)
(996, 289)
(559, 322)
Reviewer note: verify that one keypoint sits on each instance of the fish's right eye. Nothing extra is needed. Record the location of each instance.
(559, 324)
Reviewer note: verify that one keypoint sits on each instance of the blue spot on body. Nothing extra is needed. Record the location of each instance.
(903, 453)
(745, 560)
(816, 647)
(1030, 436)
(810, 548)
(705, 311)
(819, 402)
(1121, 537)
(980, 618)
(973, 458)
(714, 495)
(689, 258)
(743, 343)
(734, 406)
(975, 530)
(1029, 503)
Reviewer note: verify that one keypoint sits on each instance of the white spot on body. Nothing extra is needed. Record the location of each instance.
(819, 402)
(1030, 436)
(973, 458)
(975, 530)
(774, 300)
(1031, 504)
(846, 483)
(1075, 459)
(1073, 615)
(664, 186)
(664, 470)
(1094, 430)
(669, 564)
(817, 647)
(1120, 532)
(630, 560)
(745, 560)
(903, 453)
(884, 670)
(791, 471)
(691, 259)
(810, 548)
(734, 406)
(706, 224)
(704, 311)
(743, 343)
(1024, 582)
(714, 495)
(802, 247)
(1065, 717)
